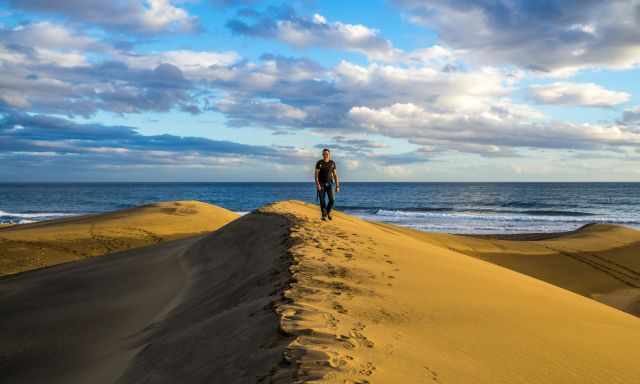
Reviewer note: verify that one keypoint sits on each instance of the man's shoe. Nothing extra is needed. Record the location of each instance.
(324, 218)
(329, 216)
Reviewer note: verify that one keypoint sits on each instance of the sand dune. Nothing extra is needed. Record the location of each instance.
(30, 246)
(377, 303)
(600, 261)
(277, 296)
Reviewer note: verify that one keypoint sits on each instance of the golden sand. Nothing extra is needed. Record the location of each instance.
(600, 261)
(381, 304)
(279, 296)
(30, 246)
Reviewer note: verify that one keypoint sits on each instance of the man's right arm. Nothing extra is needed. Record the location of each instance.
(316, 178)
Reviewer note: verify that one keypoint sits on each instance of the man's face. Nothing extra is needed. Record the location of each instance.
(325, 155)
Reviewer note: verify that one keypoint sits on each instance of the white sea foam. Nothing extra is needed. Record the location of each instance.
(36, 215)
(408, 215)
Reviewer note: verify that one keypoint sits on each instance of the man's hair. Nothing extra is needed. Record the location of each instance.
(326, 149)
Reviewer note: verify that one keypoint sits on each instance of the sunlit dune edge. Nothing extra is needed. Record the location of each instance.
(29, 246)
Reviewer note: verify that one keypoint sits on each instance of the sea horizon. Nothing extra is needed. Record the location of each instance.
(452, 207)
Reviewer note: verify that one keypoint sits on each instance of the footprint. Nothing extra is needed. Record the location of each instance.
(361, 339)
(339, 308)
(346, 341)
(367, 369)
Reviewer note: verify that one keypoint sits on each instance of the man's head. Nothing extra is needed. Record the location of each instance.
(326, 154)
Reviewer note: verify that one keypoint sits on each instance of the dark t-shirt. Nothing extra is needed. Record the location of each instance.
(326, 168)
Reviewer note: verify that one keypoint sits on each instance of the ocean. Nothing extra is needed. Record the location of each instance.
(441, 207)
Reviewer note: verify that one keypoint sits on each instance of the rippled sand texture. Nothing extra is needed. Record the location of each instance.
(379, 304)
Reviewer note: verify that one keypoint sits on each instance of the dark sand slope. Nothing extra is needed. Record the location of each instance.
(195, 310)
(76, 322)
(224, 328)
(30, 246)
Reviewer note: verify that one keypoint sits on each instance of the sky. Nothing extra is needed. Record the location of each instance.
(249, 90)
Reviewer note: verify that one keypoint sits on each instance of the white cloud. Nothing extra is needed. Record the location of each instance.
(161, 14)
(381, 85)
(489, 132)
(47, 43)
(631, 116)
(267, 112)
(557, 38)
(138, 16)
(49, 35)
(194, 63)
(285, 25)
(577, 94)
(302, 32)
(319, 32)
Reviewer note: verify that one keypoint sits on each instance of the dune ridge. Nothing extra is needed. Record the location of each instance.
(30, 246)
(375, 303)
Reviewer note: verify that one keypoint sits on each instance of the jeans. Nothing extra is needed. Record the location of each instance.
(328, 189)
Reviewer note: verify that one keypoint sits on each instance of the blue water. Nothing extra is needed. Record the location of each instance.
(445, 207)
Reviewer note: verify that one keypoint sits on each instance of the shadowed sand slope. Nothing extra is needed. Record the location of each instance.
(193, 310)
(29, 246)
(224, 328)
(600, 261)
(374, 303)
(76, 322)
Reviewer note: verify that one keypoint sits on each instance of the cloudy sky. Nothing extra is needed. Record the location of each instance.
(400, 90)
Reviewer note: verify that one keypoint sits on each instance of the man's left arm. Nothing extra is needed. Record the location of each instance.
(335, 177)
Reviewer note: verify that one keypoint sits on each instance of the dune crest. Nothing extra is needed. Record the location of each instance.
(373, 303)
(29, 246)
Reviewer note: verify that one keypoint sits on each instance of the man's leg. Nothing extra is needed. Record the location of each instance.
(331, 197)
(322, 202)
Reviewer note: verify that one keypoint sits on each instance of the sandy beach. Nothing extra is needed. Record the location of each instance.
(278, 296)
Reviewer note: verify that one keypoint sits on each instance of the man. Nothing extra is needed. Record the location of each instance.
(325, 175)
